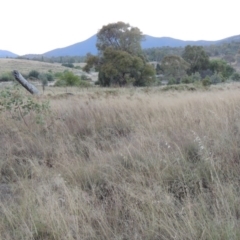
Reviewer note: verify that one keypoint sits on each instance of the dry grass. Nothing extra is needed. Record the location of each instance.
(7, 65)
(25, 66)
(124, 164)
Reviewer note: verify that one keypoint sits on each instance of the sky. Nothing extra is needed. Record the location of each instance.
(38, 26)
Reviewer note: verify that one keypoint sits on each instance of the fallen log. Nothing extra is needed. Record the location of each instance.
(31, 88)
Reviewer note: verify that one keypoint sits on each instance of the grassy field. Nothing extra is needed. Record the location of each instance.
(7, 65)
(25, 66)
(122, 164)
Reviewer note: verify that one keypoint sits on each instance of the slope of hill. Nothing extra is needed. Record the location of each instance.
(151, 42)
(89, 45)
(25, 66)
(77, 49)
(4, 54)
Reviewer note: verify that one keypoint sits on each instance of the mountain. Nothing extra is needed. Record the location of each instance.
(151, 42)
(77, 49)
(89, 45)
(4, 54)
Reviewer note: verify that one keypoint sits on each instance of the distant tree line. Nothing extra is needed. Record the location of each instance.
(61, 59)
(195, 65)
(230, 52)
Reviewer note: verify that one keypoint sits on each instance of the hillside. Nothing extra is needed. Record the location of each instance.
(25, 66)
(89, 46)
(78, 49)
(5, 54)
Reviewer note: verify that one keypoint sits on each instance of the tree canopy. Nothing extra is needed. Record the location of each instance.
(221, 66)
(174, 66)
(120, 60)
(120, 36)
(196, 57)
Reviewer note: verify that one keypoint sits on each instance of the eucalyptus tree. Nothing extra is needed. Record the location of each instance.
(120, 58)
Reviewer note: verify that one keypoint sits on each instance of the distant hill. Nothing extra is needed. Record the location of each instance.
(89, 46)
(4, 54)
(151, 42)
(77, 49)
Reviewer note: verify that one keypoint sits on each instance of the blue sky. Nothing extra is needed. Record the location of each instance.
(37, 26)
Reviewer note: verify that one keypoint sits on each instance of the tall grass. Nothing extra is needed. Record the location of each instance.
(132, 164)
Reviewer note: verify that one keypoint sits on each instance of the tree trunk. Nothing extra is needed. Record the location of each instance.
(31, 88)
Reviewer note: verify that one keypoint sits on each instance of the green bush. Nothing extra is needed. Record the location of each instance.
(77, 67)
(172, 81)
(68, 79)
(206, 81)
(70, 65)
(49, 77)
(20, 105)
(33, 74)
(187, 79)
(180, 87)
(235, 76)
(63, 83)
(5, 77)
(85, 84)
(44, 80)
(97, 83)
(58, 74)
(216, 78)
(60, 83)
(196, 77)
(85, 77)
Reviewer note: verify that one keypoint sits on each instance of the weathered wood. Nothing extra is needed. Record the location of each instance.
(31, 88)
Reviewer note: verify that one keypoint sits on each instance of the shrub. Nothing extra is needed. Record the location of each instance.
(70, 65)
(187, 79)
(172, 81)
(58, 74)
(179, 87)
(206, 81)
(77, 67)
(85, 84)
(33, 74)
(206, 73)
(85, 77)
(216, 78)
(67, 79)
(235, 76)
(19, 106)
(70, 78)
(196, 77)
(44, 80)
(49, 77)
(60, 83)
(5, 77)
(97, 83)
